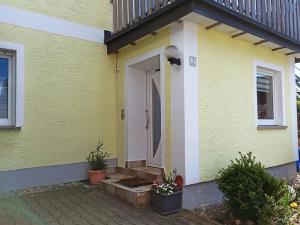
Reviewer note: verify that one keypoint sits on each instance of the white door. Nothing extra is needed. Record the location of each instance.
(153, 119)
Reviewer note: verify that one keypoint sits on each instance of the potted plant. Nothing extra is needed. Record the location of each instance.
(97, 162)
(166, 194)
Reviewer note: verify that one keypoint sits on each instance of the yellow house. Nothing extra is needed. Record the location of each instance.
(183, 84)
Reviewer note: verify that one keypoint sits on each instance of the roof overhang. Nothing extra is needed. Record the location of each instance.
(148, 25)
(207, 8)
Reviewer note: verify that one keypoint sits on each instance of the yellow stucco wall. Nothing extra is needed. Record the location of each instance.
(96, 13)
(226, 101)
(70, 100)
(227, 104)
(73, 95)
(162, 39)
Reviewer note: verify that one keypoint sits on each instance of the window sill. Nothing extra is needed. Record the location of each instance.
(7, 127)
(271, 127)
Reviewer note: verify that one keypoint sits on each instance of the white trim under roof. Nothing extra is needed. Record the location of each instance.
(36, 21)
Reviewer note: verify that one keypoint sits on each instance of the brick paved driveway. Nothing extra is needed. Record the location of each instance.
(77, 205)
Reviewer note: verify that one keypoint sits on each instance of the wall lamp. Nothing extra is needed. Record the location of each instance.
(172, 55)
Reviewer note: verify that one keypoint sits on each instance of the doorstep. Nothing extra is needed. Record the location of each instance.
(136, 196)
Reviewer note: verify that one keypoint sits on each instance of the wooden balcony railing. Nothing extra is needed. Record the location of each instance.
(128, 12)
(280, 15)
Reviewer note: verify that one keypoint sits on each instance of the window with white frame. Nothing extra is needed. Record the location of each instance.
(7, 87)
(11, 85)
(269, 94)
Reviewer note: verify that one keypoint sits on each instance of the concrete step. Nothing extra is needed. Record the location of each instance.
(152, 170)
(148, 173)
(141, 166)
(137, 196)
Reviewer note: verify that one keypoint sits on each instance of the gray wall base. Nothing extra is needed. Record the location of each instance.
(200, 194)
(207, 193)
(47, 175)
(288, 171)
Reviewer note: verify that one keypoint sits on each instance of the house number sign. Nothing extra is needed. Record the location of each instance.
(193, 61)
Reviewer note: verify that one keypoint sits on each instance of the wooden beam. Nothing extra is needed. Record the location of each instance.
(133, 43)
(238, 34)
(213, 25)
(276, 49)
(154, 33)
(291, 53)
(260, 42)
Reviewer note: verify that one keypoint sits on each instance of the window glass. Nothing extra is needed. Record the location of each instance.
(265, 104)
(156, 113)
(4, 88)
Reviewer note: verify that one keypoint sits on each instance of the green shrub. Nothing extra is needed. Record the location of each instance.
(97, 157)
(250, 193)
(298, 105)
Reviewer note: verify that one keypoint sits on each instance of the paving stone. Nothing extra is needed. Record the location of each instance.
(7, 222)
(74, 205)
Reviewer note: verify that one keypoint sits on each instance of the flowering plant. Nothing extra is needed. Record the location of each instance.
(167, 185)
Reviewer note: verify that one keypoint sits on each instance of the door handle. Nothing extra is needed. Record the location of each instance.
(147, 119)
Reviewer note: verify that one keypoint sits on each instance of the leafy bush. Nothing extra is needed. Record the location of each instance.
(250, 193)
(298, 105)
(97, 157)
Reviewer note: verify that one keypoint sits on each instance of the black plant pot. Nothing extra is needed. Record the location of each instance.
(166, 204)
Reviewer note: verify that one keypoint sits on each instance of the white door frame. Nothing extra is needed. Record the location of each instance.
(157, 52)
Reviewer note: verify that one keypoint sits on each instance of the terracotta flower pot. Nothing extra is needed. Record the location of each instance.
(96, 176)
